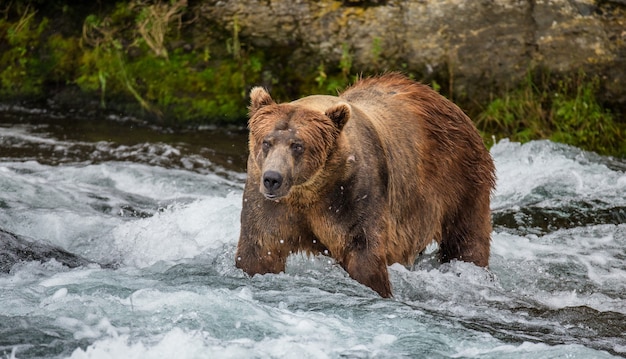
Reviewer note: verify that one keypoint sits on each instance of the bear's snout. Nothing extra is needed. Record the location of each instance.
(272, 181)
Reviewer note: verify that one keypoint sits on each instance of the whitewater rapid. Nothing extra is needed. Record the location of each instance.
(167, 219)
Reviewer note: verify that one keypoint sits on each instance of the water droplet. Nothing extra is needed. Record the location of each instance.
(326, 251)
(269, 253)
(238, 258)
(282, 241)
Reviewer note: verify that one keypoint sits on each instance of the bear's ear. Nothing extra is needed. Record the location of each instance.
(340, 114)
(259, 98)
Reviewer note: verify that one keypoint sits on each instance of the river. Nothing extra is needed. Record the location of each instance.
(159, 210)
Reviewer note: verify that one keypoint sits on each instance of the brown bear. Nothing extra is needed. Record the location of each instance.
(370, 178)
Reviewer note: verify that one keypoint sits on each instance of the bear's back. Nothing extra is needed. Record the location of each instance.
(434, 154)
(318, 103)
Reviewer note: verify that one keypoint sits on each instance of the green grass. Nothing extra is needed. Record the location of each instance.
(563, 110)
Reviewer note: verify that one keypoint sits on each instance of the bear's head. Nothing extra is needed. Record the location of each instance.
(290, 143)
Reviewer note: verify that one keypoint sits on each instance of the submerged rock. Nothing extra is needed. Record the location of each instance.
(14, 249)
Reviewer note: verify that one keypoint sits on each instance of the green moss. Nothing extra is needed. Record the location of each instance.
(190, 89)
(328, 82)
(62, 61)
(176, 84)
(21, 71)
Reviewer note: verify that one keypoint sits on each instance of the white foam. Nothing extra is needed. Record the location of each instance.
(238, 321)
(66, 278)
(597, 301)
(301, 338)
(180, 231)
(82, 330)
(527, 349)
(596, 250)
(23, 133)
(64, 204)
(544, 172)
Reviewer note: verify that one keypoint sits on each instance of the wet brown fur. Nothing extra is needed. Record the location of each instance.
(387, 167)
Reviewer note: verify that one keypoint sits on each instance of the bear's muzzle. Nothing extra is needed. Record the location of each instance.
(272, 181)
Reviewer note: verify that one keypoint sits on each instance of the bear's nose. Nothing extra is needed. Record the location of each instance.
(272, 180)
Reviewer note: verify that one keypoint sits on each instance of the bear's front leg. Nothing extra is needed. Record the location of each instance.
(367, 265)
(253, 259)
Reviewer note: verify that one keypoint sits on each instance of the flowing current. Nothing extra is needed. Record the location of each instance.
(160, 211)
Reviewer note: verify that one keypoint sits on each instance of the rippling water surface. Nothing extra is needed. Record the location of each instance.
(160, 212)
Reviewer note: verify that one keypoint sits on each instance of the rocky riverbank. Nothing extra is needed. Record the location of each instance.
(195, 61)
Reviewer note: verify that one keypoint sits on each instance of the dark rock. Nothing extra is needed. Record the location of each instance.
(481, 47)
(14, 249)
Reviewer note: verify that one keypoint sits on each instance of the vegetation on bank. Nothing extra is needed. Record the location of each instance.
(134, 51)
(562, 110)
(148, 58)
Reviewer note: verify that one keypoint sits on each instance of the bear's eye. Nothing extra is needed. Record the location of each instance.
(297, 148)
(266, 146)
